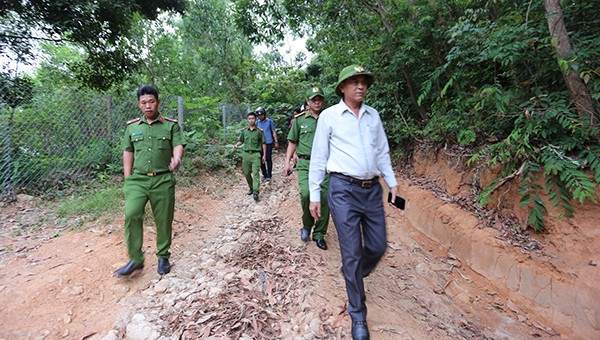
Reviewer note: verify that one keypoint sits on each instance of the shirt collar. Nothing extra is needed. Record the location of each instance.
(309, 114)
(157, 120)
(345, 108)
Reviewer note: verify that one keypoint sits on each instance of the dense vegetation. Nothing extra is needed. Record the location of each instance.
(515, 82)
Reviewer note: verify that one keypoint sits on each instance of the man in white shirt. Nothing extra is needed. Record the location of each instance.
(350, 144)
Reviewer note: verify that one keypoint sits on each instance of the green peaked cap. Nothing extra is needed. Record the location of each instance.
(351, 71)
(314, 91)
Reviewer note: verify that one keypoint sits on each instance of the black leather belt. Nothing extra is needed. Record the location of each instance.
(152, 174)
(363, 183)
(304, 157)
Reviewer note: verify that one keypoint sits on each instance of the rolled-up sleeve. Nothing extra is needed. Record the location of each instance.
(318, 158)
(384, 162)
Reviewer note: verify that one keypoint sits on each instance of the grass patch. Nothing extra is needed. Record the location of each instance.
(106, 201)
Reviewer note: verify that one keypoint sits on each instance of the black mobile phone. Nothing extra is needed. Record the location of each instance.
(399, 202)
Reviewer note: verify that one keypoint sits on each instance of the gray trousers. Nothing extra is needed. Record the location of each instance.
(359, 219)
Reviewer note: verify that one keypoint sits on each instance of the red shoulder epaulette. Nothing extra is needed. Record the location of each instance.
(133, 121)
(299, 114)
(171, 119)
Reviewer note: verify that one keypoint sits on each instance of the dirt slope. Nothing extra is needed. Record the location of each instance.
(240, 271)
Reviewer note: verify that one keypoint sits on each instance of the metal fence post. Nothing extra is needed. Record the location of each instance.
(7, 189)
(224, 118)
(180, 111)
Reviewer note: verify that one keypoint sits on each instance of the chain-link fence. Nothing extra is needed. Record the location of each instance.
(55, 139)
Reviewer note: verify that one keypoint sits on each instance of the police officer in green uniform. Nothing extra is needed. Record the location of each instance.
(253, 139)
(152, 150)
(300, 140)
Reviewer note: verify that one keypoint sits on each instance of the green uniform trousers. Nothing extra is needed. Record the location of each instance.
(307, 220)
(160, 191)
(251, 167)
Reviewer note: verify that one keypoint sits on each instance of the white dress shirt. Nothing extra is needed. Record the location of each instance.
(353, 146)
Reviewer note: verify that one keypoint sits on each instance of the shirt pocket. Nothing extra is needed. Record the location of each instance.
(138, 142)
(373, 131)
(307, 129)
(163, 142)
(257, 139)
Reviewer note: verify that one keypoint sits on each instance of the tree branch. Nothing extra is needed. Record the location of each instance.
(25, 37)
(507, 178)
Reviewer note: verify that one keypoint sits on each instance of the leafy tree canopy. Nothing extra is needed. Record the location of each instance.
(101, 27)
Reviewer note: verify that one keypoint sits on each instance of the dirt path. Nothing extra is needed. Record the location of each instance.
(240, 271)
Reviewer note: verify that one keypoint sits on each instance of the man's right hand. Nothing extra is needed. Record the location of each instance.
(287, 169)
(315, 209)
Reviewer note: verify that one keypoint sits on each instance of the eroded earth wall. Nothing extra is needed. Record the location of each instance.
(556, 282)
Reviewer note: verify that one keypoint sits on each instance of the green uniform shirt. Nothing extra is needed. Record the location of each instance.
(152, 144)
(302, 133)
(252, 139)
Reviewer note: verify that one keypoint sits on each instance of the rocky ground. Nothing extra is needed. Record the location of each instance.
(240, 272)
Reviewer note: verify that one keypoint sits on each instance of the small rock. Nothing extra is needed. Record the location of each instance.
(208, 263)
(73, 290)
(314, 325)
(140, 329)
(22, 198)
(245, 273)
(161, 286)
(119, 288)
(245, 238)
(189, 274)
(229, 277)
(111, 335)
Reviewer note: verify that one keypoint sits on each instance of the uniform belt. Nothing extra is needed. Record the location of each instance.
(304, 157)
(152, 174)
(363, 183)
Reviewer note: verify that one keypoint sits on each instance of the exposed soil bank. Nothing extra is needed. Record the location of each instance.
(552, 276)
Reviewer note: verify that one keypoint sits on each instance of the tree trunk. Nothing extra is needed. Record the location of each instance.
(577, 89)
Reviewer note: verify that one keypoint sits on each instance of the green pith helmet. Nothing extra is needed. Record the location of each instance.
(351, 71)
(314, 91)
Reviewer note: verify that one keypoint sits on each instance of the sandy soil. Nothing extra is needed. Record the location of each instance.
(57, 283)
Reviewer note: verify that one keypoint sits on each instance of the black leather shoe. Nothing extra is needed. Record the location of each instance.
(321, 244)
(129, 268)
(255, 197)
(360, 331)
(249, 193)
(164, 266)
(304, 234)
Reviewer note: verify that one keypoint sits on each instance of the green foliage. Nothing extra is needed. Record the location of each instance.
(529, 189)
(218, 55)
(480, 74)
(15, 91)
(563, 163)
(100, 27)
(93, 205)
